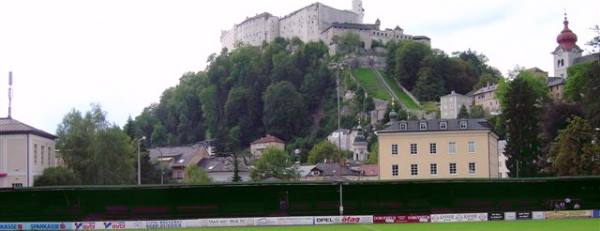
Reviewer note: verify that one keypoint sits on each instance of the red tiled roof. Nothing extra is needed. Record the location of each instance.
(370, 169)
(268, 139)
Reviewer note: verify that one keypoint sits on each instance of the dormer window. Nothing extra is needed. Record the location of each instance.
(443, 125)
(402, 126)
(463, 124)
(422, 126)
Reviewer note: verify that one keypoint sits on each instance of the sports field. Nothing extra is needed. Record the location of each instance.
(529, 225)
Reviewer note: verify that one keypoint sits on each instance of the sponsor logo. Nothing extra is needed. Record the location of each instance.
(323, 220)
(348, 219)
(114, 225)
(11, 226)
(523, 215)
(48, 226)
(163, 224)
(84, 225)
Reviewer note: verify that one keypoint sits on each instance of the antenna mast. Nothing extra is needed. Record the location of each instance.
(9, 93)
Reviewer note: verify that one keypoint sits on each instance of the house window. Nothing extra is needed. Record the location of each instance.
(452, 168)
(394, 149)
(414, 170)
(471, 168)
(178, 174)
(35, 153)
(422, 126)
(413, 149)
(471, 146)
(49, 156)
(452, 147)
(42, 154)
(443, 125)
(403, 126)
(432, 148)
(17, 185)
(463, 124)
(394, 170)
(433, 169)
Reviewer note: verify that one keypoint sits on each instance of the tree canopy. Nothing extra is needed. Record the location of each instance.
(273, 163)
(324, 150)
(98, 152)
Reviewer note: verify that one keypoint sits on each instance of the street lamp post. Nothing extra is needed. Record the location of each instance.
(139, 169)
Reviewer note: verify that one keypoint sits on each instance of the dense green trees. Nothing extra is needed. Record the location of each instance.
(284, 111)
(431, 73)
(522, 101)
(273, 163)
(324, 150)
(576, 151)
(463, 113)
(56, 176)
(245, 94)
(97, 152)
(195, 175)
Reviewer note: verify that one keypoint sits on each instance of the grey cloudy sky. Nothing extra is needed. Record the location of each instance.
(123, 54)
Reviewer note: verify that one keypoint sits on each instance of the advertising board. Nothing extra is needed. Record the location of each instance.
(495, 216)
(164, 224)
(11, 226)
(324, 220)
(47, 226)
(509, 216)
(568, 214)
(596, 213)
(538, 215)
(401, 219)
(523, 215)
(224, 222)
(265, 221)
(459, 217)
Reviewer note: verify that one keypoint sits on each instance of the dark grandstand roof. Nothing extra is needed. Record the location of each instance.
(12, 126)
(434, 125)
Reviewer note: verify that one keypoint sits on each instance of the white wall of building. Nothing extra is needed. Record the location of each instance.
(24, 157)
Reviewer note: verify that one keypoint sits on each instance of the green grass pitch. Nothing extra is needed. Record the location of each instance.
(528, 225)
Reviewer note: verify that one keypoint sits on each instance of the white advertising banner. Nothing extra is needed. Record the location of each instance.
(264, 221)
(323, 220)
(538, 215)
(509, 216)
(164, 224)
(458, 217)
(224, 222)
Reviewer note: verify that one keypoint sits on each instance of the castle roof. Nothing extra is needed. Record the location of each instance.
(10, 126)
(265, 15)
(355, 26)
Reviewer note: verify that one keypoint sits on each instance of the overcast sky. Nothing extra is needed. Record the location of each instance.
(123, 54)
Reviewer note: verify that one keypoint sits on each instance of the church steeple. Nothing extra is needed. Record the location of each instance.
(566, 51)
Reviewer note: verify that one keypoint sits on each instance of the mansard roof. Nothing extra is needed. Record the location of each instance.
(434, 125)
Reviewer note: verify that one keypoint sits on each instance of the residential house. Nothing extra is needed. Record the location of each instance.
(450, 104)
(258, 146)
(221, 168)
(178, 158)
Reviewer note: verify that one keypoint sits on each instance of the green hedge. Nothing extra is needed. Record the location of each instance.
(292, 199)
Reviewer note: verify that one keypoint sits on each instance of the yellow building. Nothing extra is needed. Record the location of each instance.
(433, 149)
(258, 146)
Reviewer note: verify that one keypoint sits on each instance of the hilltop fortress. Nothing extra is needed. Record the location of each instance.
(312, 23)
